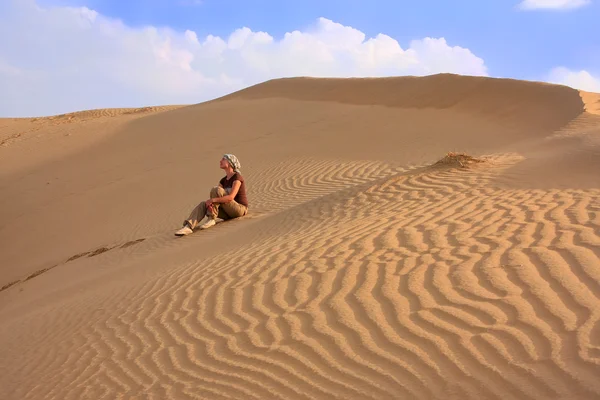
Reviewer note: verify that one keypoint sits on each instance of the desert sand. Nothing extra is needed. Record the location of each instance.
(376, 262)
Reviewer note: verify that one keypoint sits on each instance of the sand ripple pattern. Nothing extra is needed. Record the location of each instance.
(284, 185)
(429, 285)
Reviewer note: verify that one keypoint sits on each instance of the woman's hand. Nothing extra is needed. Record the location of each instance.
(209, 206)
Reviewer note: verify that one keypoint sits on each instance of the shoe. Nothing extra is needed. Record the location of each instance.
(186, 230)
(209, 223)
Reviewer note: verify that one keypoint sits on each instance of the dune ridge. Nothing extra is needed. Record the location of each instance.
(16, 129)
(504, 99)
(365, 269)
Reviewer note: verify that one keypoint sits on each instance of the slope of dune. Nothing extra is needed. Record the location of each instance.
(591, 102)
(39, 140)
(376, 262)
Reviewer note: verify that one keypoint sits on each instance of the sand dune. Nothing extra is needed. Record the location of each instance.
(366, 269)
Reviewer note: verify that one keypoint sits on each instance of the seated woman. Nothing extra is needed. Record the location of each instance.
(227, 200)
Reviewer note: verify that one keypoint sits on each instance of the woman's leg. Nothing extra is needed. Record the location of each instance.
(196, 215)
(226, 210)
(215, 192)
(234, 209)
(202, 211)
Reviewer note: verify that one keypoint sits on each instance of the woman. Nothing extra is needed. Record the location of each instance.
(227, 201)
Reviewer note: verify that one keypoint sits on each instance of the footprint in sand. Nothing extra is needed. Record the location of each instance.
(92, 253)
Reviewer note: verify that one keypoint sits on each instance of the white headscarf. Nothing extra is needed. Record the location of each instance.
(233, 161)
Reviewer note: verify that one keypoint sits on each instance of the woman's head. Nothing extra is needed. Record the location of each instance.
(230, 161)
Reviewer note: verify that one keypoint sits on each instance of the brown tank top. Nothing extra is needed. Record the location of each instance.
(241, 197)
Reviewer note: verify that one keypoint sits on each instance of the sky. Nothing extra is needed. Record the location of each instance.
(59, 56)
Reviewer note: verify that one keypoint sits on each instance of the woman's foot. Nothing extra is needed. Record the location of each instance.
(186, 230)
(209, 223)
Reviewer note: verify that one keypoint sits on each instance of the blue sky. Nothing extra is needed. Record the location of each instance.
(511, 42)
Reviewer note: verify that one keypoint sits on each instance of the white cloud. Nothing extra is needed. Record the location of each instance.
(552, 4)
(581, 80)
(64, 59)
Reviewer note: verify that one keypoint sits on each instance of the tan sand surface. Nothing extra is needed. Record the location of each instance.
(373, 264)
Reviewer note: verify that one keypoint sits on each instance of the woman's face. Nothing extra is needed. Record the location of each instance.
(223, 163)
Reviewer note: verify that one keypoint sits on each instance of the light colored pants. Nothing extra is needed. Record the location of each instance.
(229, 210)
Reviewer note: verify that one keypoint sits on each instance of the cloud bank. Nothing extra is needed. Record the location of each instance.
(552, 4)
(64, 59)
(581, 80)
